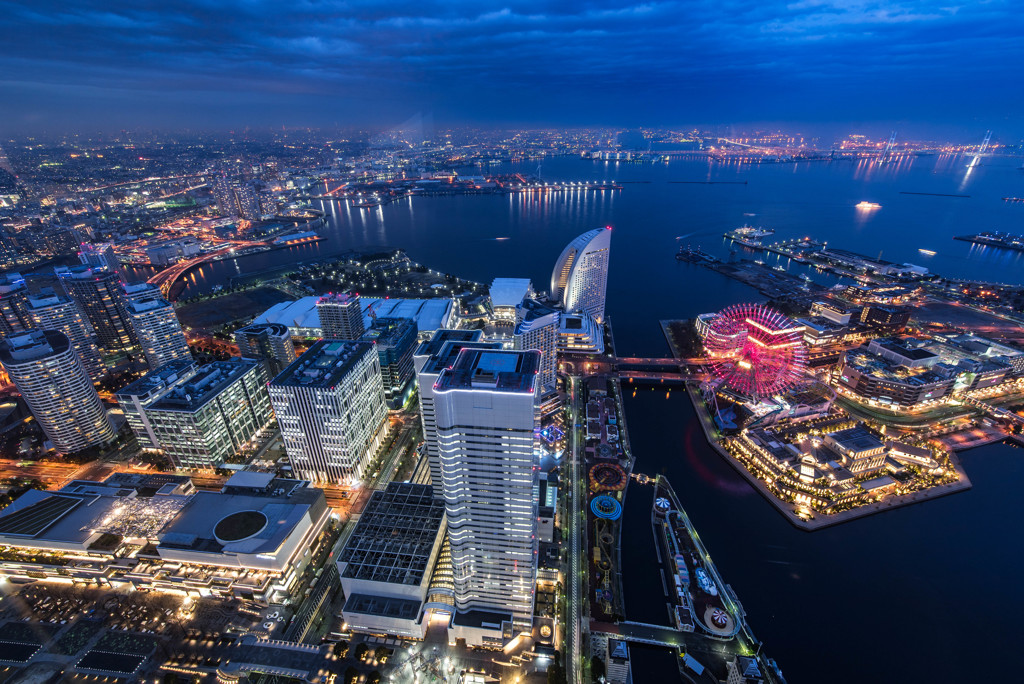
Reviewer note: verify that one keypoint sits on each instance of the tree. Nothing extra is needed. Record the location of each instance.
(341, 649)
(351, 675)
(361, 650)
(596, 668)
(373, 678)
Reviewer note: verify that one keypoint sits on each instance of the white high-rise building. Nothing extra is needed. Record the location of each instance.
(429, 359)
(341, 316)
(579, 281)
(486, 412)
(52, 380)
(330, 408)
(537, 329)
(50, 311)
(159, 333)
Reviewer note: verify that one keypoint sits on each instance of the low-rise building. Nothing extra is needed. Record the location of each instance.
(155, 532)
(386, 564)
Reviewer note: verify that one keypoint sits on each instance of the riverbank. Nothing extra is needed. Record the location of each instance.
(816, 523)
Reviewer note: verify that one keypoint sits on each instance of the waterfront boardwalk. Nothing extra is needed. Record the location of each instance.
(823, 520)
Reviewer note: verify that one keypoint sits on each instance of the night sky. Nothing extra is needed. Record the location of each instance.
(87, 65)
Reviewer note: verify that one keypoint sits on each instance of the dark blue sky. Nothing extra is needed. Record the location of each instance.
(953, 65)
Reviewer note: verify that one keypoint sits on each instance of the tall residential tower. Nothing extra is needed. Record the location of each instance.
(52, 380)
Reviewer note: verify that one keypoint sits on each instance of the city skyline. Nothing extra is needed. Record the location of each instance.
(935, 68)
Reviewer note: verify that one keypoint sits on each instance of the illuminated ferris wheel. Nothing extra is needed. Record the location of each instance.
(754, 350)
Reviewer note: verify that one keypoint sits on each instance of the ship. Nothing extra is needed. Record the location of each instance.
(929, 252)
(749, 236)
(868, 205)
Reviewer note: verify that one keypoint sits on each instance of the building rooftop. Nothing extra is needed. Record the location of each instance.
(207, 382)
(494, 369)
(383, 606)
(877, 367)
(446, 355)
(395, 537)
(429, 314)
(324, 364)
(157, 380)
(509, 292)
(856, 439)
(389, 331)
(274, 329)
(441, 337)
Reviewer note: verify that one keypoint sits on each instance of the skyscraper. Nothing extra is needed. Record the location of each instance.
(13, 304)
(99, 294)
(394, 339)
(50, 311)
(341, 316)
(158, 331)
(52, 380)
(330, 408)
(270, 343)
(579, 281)
(537, 329)
(429, 359)
(485, 406)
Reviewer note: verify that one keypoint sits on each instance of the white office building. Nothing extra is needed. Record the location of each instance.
(331, 411)
(50, 311)
(59, 393)
(579, 280)
(159, 333)
(429, 359)
(486, 416)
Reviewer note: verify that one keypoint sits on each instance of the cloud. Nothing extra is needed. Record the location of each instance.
(560, 61)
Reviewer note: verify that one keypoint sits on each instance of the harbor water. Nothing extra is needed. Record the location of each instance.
(926, 593)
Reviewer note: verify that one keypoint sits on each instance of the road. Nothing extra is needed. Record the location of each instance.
(577, 518)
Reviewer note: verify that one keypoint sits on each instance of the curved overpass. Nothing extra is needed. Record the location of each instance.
(166, 278)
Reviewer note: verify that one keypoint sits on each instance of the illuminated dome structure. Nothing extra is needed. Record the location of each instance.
(755, 351)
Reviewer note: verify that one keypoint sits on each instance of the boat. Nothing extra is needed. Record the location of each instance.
(929, 252)
(868, 205)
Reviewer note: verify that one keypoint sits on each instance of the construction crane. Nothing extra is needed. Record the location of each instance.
(981, 150)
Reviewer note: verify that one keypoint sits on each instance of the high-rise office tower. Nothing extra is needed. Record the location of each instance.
(394, 339)
(429, 359)
(579, 280)
(330, 408)
(270, 343)
(14, 316)
(51, 311)
(52, 380)
(486, 411)
(537, 329)
(341, 316)
(158, 331)
(99, 256)
(99, 294)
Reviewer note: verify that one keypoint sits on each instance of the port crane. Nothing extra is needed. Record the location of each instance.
(981, 150)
